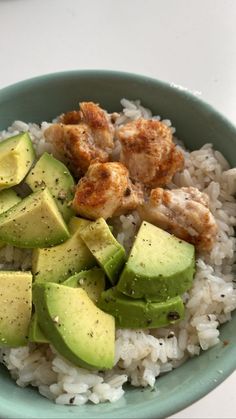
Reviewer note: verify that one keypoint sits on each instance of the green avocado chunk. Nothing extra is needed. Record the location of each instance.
(92, 281)
(56, 264)
(35, 332)
(109, 254)
(160, 266)
(16, 158)
(15, 307)
(53, 174)
(140, 314)
(8, 198)
(33, 222)
(76, 327)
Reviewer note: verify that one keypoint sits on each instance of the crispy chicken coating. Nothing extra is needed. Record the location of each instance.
(106, 190)
(82, 137)
(183, 212)
(149, 152)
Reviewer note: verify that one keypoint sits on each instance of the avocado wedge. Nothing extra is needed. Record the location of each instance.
(79, 331)
(92, 281)
(140, 314)
(8, 198)
(53, 174)
(160, 266)
(108, 252)
(15, 307)
(33, 222)
(57, 263)
(16, 157)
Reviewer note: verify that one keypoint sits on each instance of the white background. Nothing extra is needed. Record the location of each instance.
(191, 43)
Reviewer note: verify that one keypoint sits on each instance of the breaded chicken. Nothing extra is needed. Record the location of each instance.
(183, 212)
(149, 152)
(82, 137)
(106, 190)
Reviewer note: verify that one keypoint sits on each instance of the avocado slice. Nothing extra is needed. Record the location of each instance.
(140, 314)
(33, 222)
(8, 198)
(79, 331)
(56, 264)
(16, 157)
(92, 281)
(15, 307)
(53, 174)
(160, 266)
(35, 332)
(108, 252)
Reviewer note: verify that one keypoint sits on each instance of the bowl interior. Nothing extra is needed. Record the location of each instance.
(196, 123)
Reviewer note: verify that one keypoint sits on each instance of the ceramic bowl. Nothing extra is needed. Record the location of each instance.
(43, 98)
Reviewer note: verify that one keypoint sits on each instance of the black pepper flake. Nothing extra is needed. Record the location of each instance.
(72, 399)
(127, 192)
(173, 315)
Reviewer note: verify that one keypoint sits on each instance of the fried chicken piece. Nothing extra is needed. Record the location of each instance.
(183, 212)
(106, 190)
(70, 118)
(149, 152)
(82, 137)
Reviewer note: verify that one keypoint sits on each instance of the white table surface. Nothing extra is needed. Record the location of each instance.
(186, 42)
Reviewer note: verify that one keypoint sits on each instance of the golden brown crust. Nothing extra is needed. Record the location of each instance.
(93, 115)
(183, 212)
(102, 191)
(80, 149)
(149, 152)
(83, 137)
(70, 118)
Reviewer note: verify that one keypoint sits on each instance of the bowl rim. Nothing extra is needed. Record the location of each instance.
(182, 91)
(28, 83)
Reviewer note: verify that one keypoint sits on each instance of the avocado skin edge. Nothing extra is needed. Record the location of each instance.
(35, 332)
(139, 314)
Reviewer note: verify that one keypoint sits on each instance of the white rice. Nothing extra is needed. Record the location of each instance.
(142, 355)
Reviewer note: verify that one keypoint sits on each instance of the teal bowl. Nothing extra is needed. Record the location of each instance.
(43, 98)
